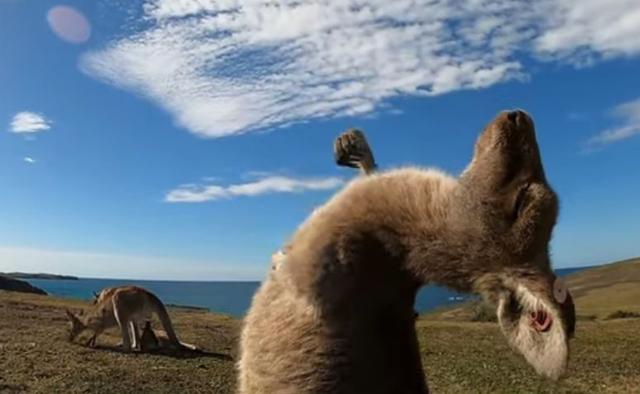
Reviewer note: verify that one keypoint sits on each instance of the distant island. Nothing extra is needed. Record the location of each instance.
(23, 275)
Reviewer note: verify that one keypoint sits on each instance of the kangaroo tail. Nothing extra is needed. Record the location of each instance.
(189, 346)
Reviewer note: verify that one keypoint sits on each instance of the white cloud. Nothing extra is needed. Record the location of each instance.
(629, 115)
(29, 122)
(105, 265)
(29, 160)
(582, 30)
(269, 184)
(224, 67)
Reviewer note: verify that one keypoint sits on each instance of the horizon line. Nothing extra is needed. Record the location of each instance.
(256, 280)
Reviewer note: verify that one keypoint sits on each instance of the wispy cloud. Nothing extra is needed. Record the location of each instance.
(272, 184)
(629, 117)
(29, 160)
(224, 67)
(29, 122)
(106, 265)
(584, 31)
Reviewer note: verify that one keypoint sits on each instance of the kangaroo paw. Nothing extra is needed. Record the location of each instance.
(351, 149)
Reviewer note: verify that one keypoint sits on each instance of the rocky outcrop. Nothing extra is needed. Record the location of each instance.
(11, 284)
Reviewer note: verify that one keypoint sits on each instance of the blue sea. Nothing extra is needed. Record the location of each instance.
(232, 298)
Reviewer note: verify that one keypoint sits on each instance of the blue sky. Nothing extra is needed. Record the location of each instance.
(187, 139)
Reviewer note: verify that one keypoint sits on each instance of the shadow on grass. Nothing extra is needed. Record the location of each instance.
(622, 315)
(13, 388)
(183, 353)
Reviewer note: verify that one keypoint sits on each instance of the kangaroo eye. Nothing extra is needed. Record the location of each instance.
(560, 291)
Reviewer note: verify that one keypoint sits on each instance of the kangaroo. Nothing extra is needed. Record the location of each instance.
(337, 316)
(123, 307)
(148, 339)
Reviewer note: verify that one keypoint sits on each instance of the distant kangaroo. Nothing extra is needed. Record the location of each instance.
(148, 339)
(123, 307)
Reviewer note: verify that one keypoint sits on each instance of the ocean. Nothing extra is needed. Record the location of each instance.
(231, 298)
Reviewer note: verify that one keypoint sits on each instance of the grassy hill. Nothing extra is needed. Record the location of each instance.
(603, 290)
(598, 293)
(458, 356)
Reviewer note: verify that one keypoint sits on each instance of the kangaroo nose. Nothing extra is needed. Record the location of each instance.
(514, 115)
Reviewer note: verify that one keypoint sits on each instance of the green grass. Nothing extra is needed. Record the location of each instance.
(459, 356)
(602, 290)
(474, 357)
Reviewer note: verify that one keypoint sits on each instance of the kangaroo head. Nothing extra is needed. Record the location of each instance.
(507, 192)
(76, 325)
(507, 182)
(536, 314)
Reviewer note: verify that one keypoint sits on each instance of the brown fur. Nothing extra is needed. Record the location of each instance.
(337, 316)
(351, 149)
(123, 307)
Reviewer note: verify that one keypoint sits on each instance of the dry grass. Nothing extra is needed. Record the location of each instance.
(458, 356)
(36, 357)
(474, 357)
(605, 353)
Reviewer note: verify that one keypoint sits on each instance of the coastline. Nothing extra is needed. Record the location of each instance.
(40, 275)
(229, 297)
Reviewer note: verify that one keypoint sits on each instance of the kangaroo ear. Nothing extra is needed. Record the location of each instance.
(96, 294)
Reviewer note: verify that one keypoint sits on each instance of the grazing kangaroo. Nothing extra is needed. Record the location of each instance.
(123, 307)
(337, 316)
(148, 339)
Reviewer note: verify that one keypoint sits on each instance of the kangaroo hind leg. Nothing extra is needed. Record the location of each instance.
(123, 323)
(135, 335)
